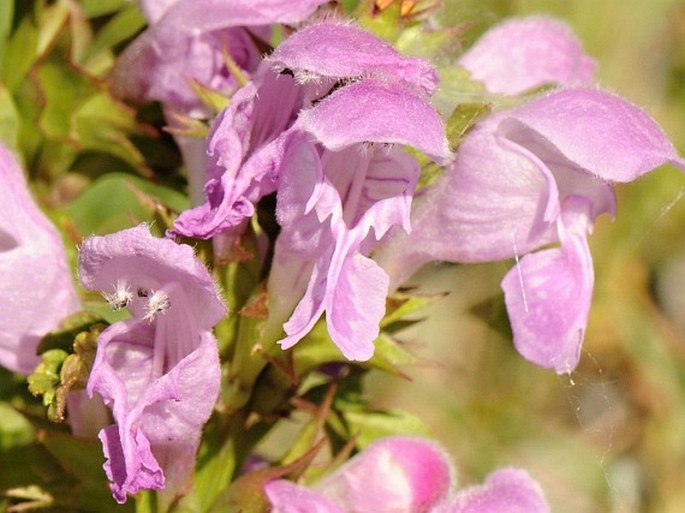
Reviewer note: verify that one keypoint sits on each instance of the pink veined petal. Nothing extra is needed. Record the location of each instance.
(548, 296)
(121, 372)
(350, 288)
(505, 491)
(35, 283)
(289, 279)
(155, 416)
(570, 178)
(491, 203)
(525, 53)
(337, 50)
(356, 306)
(132, 467)
(314, 301)
(374, 111)
(247, 145)
(305, 200)
(394, 475)
(288, 497)
(595, 130)
(376, 184)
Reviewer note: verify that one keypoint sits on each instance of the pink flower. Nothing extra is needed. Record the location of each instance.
(159, 370)
(406, 475)
(36, 285)
(523, 179)
(323, 124)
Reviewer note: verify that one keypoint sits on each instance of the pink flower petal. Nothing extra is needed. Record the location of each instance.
(373, 111)
(548, 296)
(398, 474)
(35, 283)
(597, 131)
(491, 203)
(287, 497)
(337, 50)
(505, 491)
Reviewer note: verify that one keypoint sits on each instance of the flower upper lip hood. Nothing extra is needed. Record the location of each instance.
(159, 370)
(338, 51)
(36, 286)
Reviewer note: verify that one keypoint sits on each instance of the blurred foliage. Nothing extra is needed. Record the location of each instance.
(608, 438)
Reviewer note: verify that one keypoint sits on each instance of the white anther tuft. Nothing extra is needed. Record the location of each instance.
(158, 303)
(120, 298)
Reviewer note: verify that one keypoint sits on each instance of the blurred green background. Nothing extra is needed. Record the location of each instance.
(611, 436)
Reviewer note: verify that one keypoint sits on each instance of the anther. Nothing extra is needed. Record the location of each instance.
(121, 297)
(158, 303)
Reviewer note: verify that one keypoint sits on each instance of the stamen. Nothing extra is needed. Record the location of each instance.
(158, 303)
(121, 297)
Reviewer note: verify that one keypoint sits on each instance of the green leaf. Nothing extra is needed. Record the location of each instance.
(95, 8)
(64, 91)
(52, 19)
(401, 304)
(374, 425)
(389, 356)
(385, 24)
(456, 86)
(20, 54)
(418, 41)
(9, 119)
(124, 25)
(82, 458)
(216, 462)
(6, 15)
(15, 430)
(103, 124)
(463, 117)
(110, 204)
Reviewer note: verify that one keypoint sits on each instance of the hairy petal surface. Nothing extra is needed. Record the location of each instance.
(246, 145)
(374, 111)
(597, 131)
(336, 50)
(35, 283)
(505, 491)
(525, 53)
